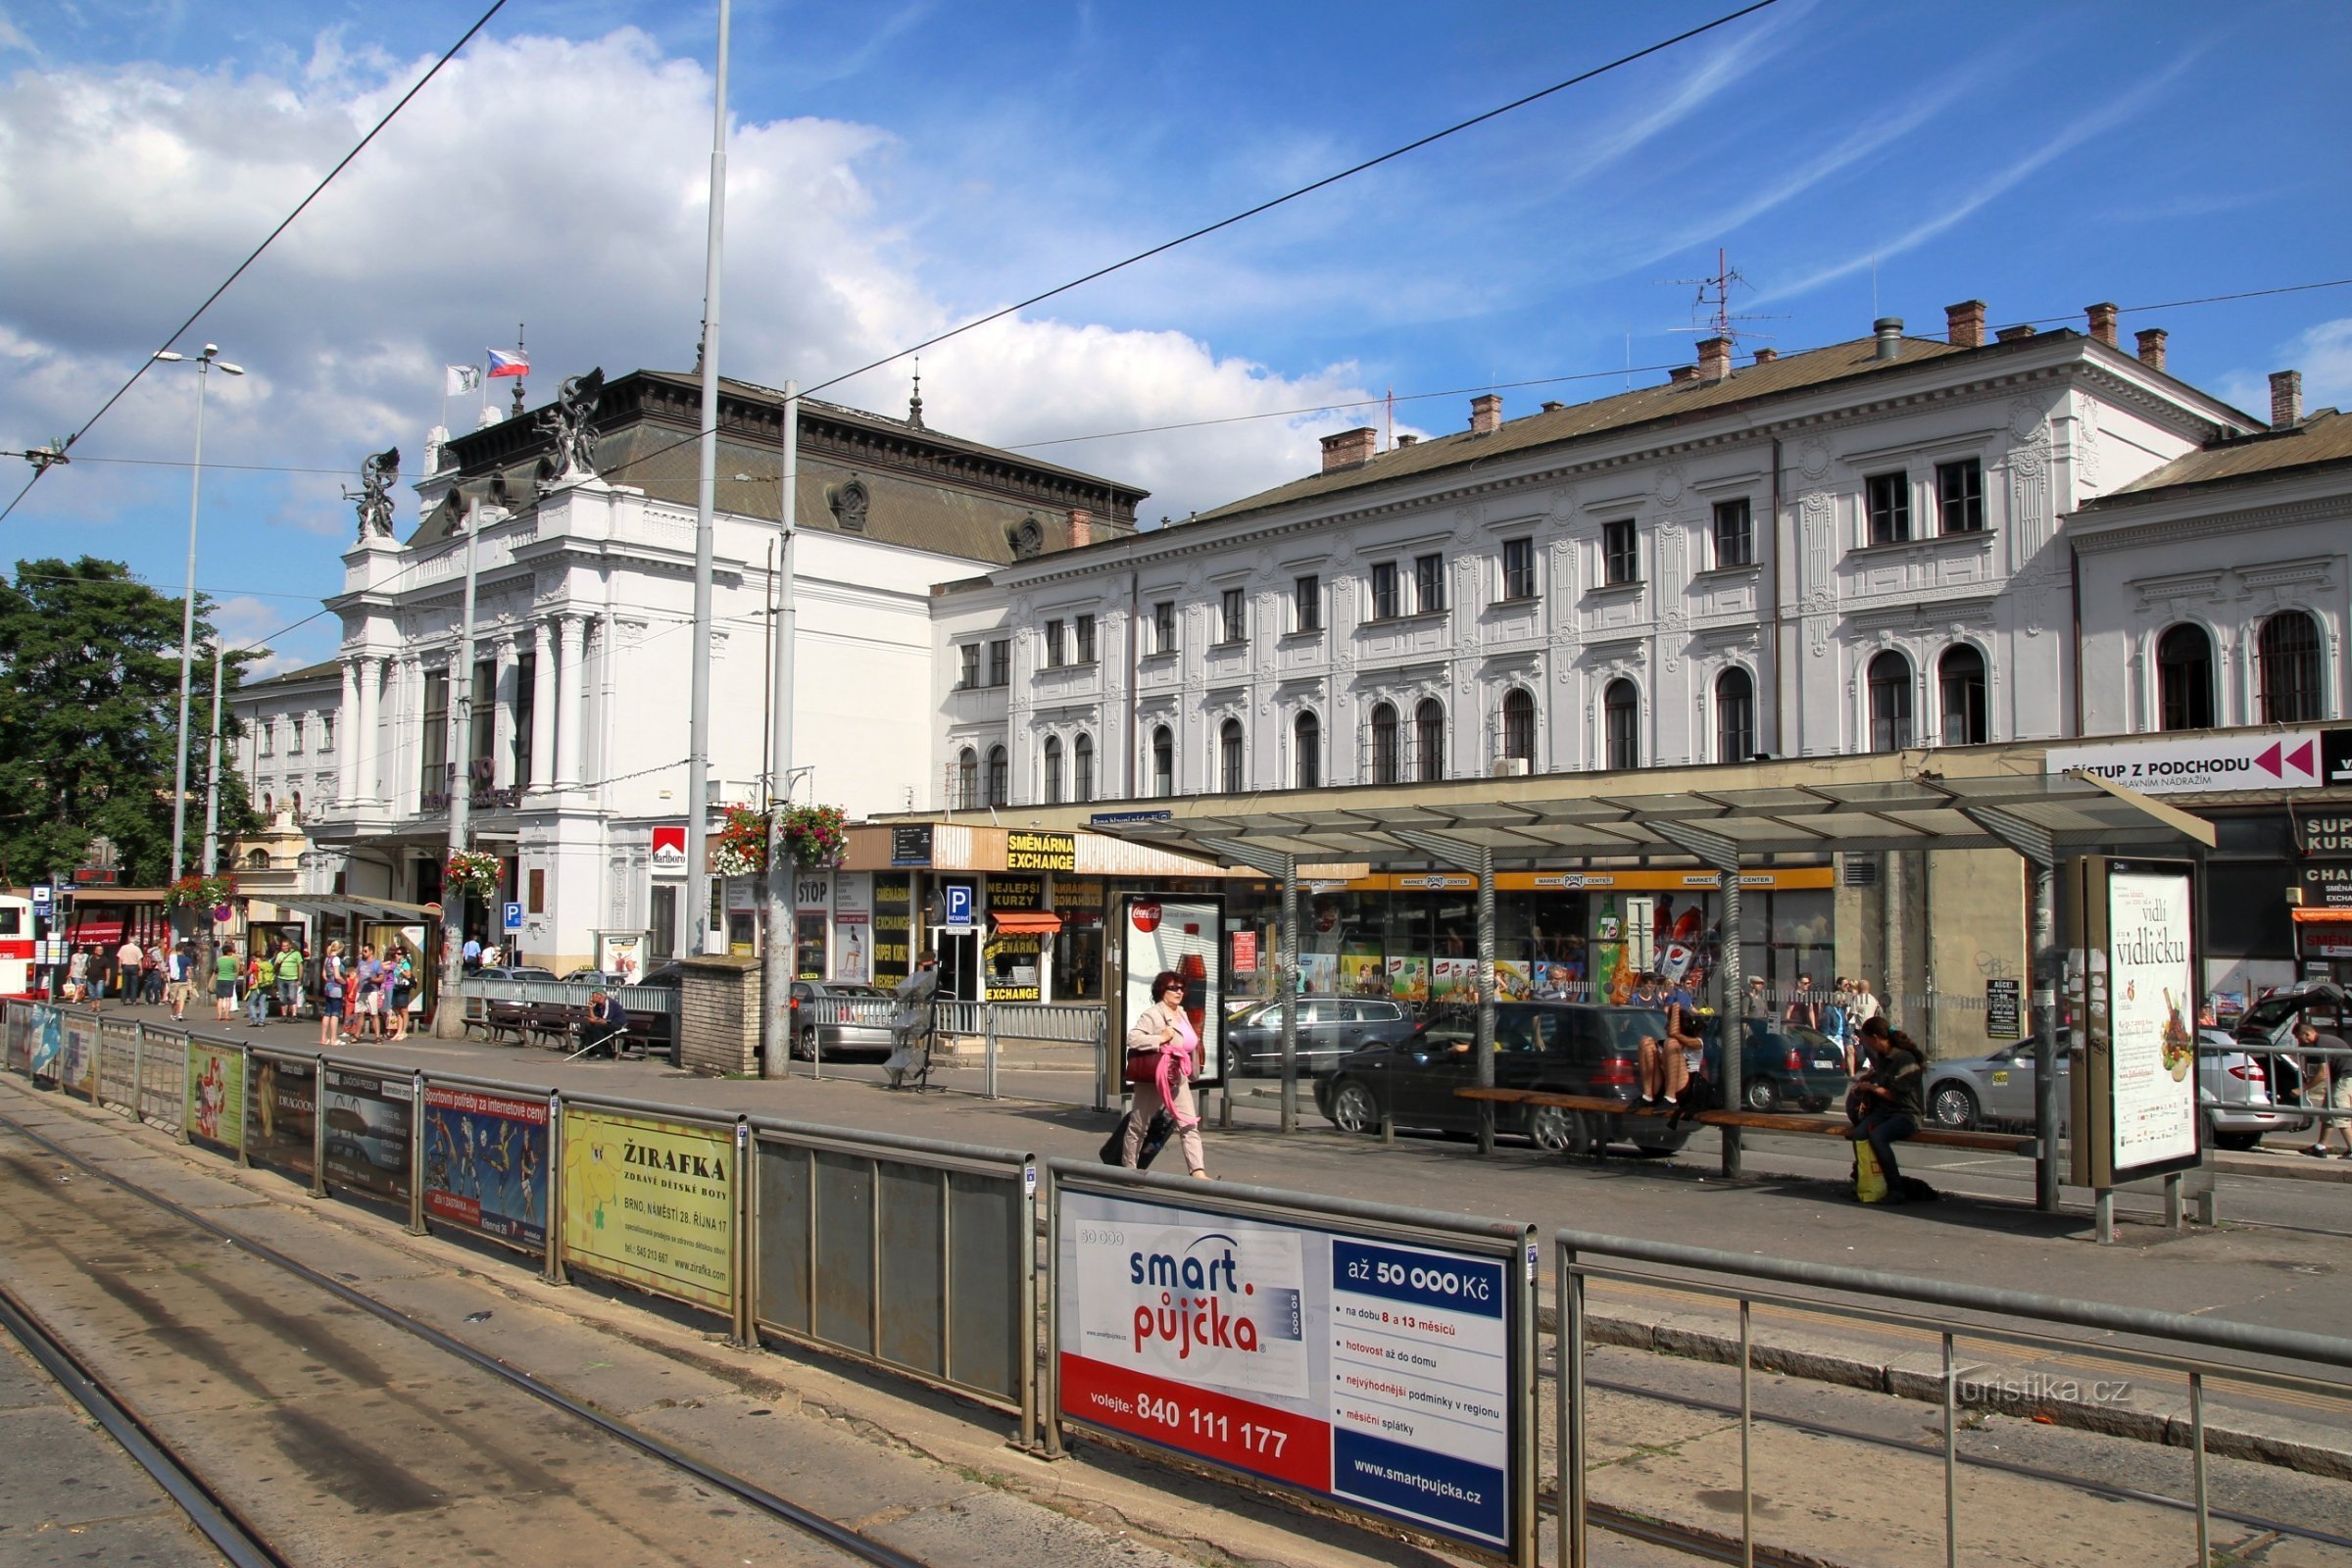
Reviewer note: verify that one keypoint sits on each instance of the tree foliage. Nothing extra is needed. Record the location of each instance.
(90, 714)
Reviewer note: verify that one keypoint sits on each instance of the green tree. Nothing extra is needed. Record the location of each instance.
(89, 715)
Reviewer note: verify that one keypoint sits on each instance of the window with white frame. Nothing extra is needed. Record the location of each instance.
(1735, 533)
(1086, 639)
(1386, 604)
(1000, 662)
(1163, 626)
(1518, 569)
(1232, 762)
(967, 666)
(1960, 496)
(1082, 758)
(1429, 740)
(1053, 644)
(1052, 771)
(1307, 751)
(1306, 602)
(1887, 499)
(1233, 615)
(1620, 553)
(1429, 584)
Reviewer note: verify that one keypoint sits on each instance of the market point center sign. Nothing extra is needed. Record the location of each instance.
(2206, 764)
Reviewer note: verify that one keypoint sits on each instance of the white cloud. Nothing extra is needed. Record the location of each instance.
(130, 191)
(2322, 353)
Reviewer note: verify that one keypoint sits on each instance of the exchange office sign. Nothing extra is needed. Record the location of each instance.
(2326, 837)
(1354, 1367)
(1040, 851)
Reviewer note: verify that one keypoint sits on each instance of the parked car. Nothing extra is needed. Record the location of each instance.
(1783, 1065)
(1569, 1048)
(2234, 1090)
(861, 1023)
(610, 979)
(513, 971)
(1329, 1027)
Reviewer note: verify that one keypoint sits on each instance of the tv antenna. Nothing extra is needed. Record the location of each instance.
(1715, 298)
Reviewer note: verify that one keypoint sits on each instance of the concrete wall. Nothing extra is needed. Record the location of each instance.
(718, 1022)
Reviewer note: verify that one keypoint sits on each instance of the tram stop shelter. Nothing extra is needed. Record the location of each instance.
(1719, 820)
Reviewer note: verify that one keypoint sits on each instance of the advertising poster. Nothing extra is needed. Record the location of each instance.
(2151, 1009)
(1363, 974)
(1185, 935)
(213, 1100)
(1319, 973)
(47, 1044)
(1513, 981)
(485, 1164)
(1408, 981)
(652, 1202)
(368, 1132)
(622, 954)
(1369, 1371)
(19, 1038)
(852, 920)
(77, 1059)
(280, 1114)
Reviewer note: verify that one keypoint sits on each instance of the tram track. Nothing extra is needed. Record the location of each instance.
(233, 1530)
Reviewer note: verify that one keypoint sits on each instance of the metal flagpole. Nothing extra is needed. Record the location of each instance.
(449, 1012)
(776, 956)
(705, 500)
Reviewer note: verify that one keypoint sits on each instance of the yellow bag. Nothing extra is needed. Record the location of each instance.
(1870, 1182)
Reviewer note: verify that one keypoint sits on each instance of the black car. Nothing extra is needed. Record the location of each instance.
(1329, 1027)
(1782, 1065)
(1568, 1047)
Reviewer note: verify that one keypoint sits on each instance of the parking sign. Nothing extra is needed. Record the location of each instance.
(513, 915)
(959, 905)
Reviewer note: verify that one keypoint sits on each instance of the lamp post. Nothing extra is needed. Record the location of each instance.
(212, 770)
(206, 362)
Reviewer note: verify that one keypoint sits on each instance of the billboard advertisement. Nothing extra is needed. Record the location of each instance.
(77, 1055)
(368, 1132)
(1369, 1371)
(46, 1042)
(652, 1202)
(213, 1096)
(2150, 1008)
(1186, 935)
(485, 1164)
(280, 1114)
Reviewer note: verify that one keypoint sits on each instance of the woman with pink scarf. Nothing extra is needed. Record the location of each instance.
(1164, 1032)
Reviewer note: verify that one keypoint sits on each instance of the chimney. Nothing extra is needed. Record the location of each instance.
(1554, 406)
(2151, 347)
(1082, 527)
(1682, 373)
(2286, 399)
(1891, 337)
(1964, 325)
(1486, 414)
(2102, 322)
(1404, 441)
(1714, 359)
(2014, 334)
(1350, 448)
(1767, 356)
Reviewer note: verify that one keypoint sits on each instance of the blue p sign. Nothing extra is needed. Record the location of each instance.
(959, 905)
(513, 915)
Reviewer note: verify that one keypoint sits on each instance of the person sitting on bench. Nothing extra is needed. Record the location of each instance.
(1885, 1100)
(1670, 1063)
(606, 1025)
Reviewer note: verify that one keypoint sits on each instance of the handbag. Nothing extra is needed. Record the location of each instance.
(1142, 1066)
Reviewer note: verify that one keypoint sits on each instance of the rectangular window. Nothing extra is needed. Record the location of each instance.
(1054, 645)
(1000, 662)
(537, 882)
(1233, 617)
(1960, 496)
(1735, 534)
(1307, 604)
(1385, 605)
(480, 738)
(326, 732)
(1620, 551)
(269, 738)
(1889, 496)
(1429, 583)
(526, 708)
(1518, 569)
(1086, 639)
(294, 733)
(967, 673)
(1163, 626)
(432, 748)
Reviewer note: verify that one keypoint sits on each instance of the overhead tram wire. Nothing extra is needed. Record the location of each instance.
(172, 337)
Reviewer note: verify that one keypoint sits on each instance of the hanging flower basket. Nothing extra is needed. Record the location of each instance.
(741, 847)
(196, 891)
(471, 871)
(817, 835)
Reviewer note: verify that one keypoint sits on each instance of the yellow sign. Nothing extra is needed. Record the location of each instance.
(652, 1202)
(1040, 851)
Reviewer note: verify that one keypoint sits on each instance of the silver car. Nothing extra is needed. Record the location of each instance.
(839, 1016)
(2232, 1088)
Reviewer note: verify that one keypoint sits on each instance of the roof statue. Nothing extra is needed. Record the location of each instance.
(374, 494)
(573, 457)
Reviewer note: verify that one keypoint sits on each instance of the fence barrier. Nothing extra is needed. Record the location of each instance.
(1393, 1362)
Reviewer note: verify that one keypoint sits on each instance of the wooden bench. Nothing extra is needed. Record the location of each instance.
(540, 1024)
(1759, 1120)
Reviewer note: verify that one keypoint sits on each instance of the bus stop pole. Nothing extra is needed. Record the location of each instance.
(1483, 1051)
(2045, 963)
(1286, 975)
(1734, 1032)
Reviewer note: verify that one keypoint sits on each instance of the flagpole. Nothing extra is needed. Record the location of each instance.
(706, 503)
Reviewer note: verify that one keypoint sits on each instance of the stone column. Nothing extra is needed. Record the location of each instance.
(347, 722)
(567, 700)
(503, 697)
(543, 705)
(363, 739)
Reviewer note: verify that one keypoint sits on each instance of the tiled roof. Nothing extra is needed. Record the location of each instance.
(291, 677)
(1674, 401)
(2323, 438)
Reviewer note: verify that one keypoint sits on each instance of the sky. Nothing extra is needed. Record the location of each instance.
(897, 169)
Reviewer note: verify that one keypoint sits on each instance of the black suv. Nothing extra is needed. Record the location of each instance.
(1566, 1047)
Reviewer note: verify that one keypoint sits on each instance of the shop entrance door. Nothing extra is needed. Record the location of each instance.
(958, 950)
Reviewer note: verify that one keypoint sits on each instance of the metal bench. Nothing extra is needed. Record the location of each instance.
(1758, 1120)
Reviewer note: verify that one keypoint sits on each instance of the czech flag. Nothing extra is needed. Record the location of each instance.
(514, 363)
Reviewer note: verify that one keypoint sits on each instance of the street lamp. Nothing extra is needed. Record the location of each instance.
(206, 362)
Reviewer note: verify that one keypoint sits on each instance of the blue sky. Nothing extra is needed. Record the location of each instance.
(895, 169)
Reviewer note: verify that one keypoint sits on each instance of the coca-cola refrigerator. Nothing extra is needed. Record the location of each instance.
(1186, 935)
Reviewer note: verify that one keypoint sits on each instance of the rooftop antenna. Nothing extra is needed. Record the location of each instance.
(1715, 298)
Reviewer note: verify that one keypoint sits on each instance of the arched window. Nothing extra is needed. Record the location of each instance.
(1621, 724)
(967, 779)
(1889, 681)
(1229, 757)
(1734, 717)
(298, 806)
(2184, 679)
(1519, 725)
(258, 860)
(1052, 771)
(1082, 754)
(2289, 656)
(999, 776)
(1163, 760)
(1307, 751)
(1428, 739)
(1383, 744)
(1960, 679)
(268, 805)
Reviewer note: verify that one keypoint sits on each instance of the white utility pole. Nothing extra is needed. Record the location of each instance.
(211, 777)
(206, 361)
(449, 1016)
(777, 954)
(706, 501)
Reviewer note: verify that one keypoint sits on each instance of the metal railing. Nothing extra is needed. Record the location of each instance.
(662, 999)
(1073, 1023)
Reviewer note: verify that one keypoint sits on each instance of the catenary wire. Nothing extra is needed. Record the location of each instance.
(360, 147)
